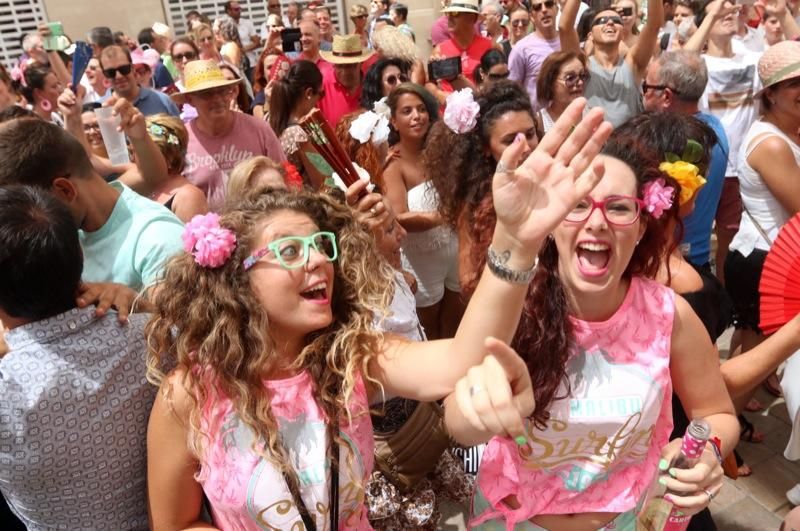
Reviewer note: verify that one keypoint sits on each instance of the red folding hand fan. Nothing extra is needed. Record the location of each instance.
(780, 279)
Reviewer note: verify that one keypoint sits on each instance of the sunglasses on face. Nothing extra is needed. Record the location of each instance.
(647, 86)
(274, 6)
(619, 210)
(180, 57)
(395, 79)
(520, 23)
(111, 73)
(571, 79)
(497, 76)
(549, 4)
(625, 11)
(602, 21)
(293, 252)
(359, 17)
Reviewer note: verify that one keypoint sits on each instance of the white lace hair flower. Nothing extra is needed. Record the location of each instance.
(461, 111)
(372, 124)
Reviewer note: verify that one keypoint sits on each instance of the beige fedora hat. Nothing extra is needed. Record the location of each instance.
(202, 75)
(346, 50)
(779, 63)
(463, 6)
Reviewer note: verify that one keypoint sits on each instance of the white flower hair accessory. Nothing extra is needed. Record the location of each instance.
(362, 174)
(374, 124)
(461, 111)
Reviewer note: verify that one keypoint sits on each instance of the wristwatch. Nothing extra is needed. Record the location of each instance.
(499, 269)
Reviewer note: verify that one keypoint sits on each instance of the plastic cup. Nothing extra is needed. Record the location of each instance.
(114, 140)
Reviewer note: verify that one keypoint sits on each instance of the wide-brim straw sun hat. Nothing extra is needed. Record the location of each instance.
(346, 50)
(463, 6)
(780, 62)
(202, 75)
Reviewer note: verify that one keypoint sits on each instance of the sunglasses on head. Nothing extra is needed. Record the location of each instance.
(625, 11)
(112, 72)
(395, 79)
(549, 4)
(602, 21)
(179, 57)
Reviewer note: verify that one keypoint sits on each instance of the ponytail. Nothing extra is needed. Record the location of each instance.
(280, 106)
(286, 93)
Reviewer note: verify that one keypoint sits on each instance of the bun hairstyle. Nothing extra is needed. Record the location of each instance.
(34, 77)
(287, 92)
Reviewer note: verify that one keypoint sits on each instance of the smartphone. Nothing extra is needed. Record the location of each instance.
(625, 11)
(290, 40)
(447, 69)
(52, 42)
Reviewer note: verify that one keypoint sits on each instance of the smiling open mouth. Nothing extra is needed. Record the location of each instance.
(593, 258)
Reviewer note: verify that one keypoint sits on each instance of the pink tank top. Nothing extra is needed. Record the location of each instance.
(247, 492)
(600, 450)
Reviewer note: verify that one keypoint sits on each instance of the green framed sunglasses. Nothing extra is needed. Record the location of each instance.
(292, 252)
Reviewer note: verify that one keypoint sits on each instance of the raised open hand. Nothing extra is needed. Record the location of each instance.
(532, 198)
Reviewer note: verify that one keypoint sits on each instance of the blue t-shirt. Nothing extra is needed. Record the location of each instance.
(161, 76)
(152, 102)
(697, 225)
(134, 244)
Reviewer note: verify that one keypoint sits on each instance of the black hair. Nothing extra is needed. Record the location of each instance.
(40, 255)
(91, 106)
(428, 99)
(401, 10)
(35, 77)
(287, 92)
(101, 36)
(385, 18)
(489, 59)
(35, 152)
(145, 36)
(372, 86)
(15, 112)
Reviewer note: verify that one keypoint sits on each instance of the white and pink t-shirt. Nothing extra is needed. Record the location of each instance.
(210, 159)
(248, 493)
(600, 449)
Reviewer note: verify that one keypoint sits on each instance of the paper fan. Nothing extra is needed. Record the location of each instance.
(780, 279)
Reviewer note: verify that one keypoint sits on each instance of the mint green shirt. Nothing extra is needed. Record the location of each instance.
(133, 246)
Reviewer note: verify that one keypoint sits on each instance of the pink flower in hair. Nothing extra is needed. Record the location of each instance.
(209, 242)
(461, 111)
(657, 197)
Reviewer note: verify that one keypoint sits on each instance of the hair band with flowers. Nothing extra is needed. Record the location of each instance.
(210, 243)
(461, 111)
(374, 123)
(160, 131)
(684, 170)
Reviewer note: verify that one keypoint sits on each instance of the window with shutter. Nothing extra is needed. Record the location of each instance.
(17, 17)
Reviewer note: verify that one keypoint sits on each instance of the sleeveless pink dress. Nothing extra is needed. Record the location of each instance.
(247, 492)
(601, 447)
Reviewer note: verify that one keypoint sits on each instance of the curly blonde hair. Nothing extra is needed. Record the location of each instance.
(223, 341)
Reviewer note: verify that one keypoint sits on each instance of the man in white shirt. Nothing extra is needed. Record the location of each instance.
(247, 33)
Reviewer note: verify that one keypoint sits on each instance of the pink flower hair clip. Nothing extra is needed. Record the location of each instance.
(461, 111)
(657, 197)
(210, 243)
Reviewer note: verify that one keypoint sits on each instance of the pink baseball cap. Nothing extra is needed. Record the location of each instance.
(147, 57)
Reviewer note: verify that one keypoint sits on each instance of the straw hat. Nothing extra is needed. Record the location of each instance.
(779, 63)
(346, 50)
(202, 75)
(463, 6)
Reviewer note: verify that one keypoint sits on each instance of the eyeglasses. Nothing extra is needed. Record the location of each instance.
(601, 21)
(215, 92)
(91, 127)
(180, 57)
(647, 86)
(520, 23)
(112, 72)
(395, 79)
(571, 79)
(549, 4)
(618, 210)
(142, 70)
(292, 252)
(625, 11)
(497, 76)
(206, 39)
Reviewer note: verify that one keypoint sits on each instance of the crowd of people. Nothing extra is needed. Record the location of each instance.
(514, 308)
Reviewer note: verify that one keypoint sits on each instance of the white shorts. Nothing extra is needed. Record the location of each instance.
(434, 270)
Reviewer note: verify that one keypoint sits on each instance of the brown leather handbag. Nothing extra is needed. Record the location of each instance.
(408, 454)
